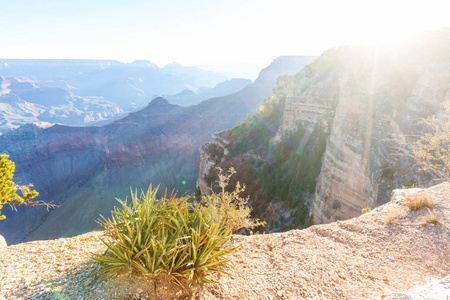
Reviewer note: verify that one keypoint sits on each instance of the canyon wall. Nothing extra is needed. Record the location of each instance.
(83, 169)
(364, 98)
(381, 96)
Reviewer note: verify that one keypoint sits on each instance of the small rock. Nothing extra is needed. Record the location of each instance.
(2, 242)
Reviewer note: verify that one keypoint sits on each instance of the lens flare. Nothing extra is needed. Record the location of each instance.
(305, 138)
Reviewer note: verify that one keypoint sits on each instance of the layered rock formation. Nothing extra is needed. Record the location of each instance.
(363, 98)
(23, 101)
(378, 98)
(84, 168)
(85, 92)
(121, 83)
(209, 161)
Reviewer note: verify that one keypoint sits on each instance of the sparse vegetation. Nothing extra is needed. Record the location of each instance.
(431, 218)
(431, 149)
(170, 240)
(229, 208)
(392, 215)
(366, 210)
(417, 202)
(12, 193)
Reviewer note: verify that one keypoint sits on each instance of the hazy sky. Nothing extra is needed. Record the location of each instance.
(211, 33)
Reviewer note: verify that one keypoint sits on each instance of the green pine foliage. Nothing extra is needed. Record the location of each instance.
(9, 191)
(169, 239)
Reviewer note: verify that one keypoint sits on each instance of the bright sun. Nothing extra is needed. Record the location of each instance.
(393, 21)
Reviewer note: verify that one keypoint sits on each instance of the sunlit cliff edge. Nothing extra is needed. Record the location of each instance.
(357, 99)
(385, 254)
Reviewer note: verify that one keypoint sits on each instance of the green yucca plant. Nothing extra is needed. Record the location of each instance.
(165, 239)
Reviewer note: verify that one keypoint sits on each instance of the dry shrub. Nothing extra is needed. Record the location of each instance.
(431, 218)
(393, 214)
(228, 208)
(416, 202)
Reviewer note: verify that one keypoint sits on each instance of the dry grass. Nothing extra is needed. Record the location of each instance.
(416, 202)
(393, 214)
(431, 218)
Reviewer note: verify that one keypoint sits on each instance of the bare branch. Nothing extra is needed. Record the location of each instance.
(13, 204)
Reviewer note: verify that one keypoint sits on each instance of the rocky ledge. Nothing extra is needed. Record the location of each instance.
(383, 254)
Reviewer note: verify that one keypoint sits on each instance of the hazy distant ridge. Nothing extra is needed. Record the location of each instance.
(81, 92)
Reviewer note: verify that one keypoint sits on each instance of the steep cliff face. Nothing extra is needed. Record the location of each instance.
(211, 155)
(310, 96)
(280, 67)
(83, 169)
(377, 93)
(381, 95)
(278, 170)
(362, 98)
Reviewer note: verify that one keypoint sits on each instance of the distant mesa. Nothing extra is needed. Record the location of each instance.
(189, 97)
(159, 101)
(21, 85)
(143, 63)
(186, 92)
(11, 98)
(85, 92)
(172, 64)
(44, 125)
